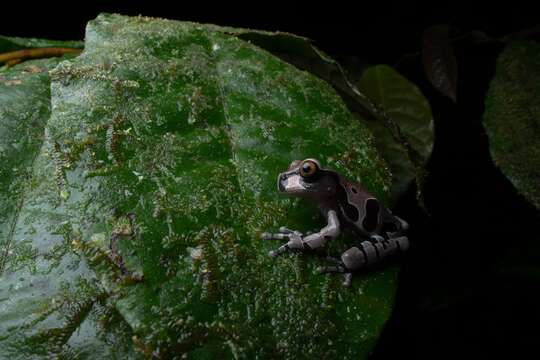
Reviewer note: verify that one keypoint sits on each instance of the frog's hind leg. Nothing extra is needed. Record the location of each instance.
(353, 259)
(332, 269)
(366, 255)
(339, 267)
(348, 280)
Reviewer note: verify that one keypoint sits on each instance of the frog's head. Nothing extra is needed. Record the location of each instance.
(307, 179)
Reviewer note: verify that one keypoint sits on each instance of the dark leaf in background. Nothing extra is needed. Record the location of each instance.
(512, 117)
(439, 60)
(408, 108)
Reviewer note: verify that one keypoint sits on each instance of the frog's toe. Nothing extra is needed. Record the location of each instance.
(334, 260)
(331, 269)
(347, 282)
(277, 236)
(280, 250)
(286, 230)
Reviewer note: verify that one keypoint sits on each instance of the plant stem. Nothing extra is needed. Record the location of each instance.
(20, 55)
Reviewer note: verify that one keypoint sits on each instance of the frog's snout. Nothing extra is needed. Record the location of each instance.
(290, 183)
(281, 182)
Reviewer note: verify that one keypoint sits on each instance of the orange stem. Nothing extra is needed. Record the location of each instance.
(36, 53)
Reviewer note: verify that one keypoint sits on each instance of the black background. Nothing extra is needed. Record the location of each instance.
(458, 295)
(378, 31)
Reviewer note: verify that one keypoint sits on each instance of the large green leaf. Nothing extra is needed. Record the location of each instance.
(37, 268)
(512, 117)
(164, 142)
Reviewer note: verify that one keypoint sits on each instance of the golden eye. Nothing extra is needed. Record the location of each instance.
(308, 168)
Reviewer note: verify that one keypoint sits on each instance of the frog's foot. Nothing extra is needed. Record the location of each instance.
(293, 237)
(338, 268)
(332, 269)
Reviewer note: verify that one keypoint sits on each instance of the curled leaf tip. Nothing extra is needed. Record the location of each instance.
(439, 61)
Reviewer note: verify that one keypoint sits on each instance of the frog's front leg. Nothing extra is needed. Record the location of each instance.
(296, 240)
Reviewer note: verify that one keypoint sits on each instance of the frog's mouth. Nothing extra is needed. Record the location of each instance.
(280, 186)
(281, 182)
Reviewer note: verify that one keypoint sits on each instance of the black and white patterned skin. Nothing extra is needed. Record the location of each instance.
(344, 203)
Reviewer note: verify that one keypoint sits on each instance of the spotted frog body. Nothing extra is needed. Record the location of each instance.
(345, 204)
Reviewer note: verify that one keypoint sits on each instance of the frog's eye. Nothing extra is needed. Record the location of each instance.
(308, 168)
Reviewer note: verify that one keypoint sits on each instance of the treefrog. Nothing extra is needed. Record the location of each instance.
(344, 204)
